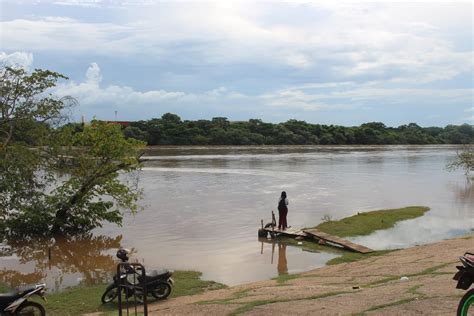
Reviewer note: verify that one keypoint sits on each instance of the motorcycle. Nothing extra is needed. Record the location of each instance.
(16, 302)
(158, 283)
(465, 278)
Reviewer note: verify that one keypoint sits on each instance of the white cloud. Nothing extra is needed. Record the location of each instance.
(402, 43)
(319, 96)
(312, 97)
(80, 3)
(61, 34)
(17, 59)
(92, 95)
(93, 74)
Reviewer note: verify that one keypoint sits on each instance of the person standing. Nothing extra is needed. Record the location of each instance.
(282, 211)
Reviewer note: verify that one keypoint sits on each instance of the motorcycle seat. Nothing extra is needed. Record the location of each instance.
(469, 259)
(25, 289)
(157, 273)
(7, 298)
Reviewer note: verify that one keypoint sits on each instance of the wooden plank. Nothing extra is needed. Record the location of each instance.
(338, 241)
(293, 232)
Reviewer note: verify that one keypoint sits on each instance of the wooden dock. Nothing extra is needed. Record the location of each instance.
(319, 235)
(337, 240)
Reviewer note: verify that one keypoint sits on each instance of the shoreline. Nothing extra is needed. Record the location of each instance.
(369, 286)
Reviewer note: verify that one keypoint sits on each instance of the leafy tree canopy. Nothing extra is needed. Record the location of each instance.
(171, 130)
(55, 178)
(464, 160)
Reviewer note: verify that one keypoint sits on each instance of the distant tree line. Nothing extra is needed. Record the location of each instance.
(170, 129)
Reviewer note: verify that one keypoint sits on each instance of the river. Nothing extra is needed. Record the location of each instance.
(202, 206)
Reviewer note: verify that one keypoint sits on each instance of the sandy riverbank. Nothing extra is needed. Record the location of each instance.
(370, 286)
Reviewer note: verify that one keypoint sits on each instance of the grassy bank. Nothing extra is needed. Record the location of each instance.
(358, 225)
(86, 299)
(366, 223)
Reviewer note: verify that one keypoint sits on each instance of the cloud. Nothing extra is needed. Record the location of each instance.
(97, 99)
(470, 118)
(400, 44)
(93, 74)
(254, 59)
(61, 34)
(350, 95)
(17, 59)
(91, 92)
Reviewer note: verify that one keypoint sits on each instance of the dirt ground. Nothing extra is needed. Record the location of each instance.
(366, 287)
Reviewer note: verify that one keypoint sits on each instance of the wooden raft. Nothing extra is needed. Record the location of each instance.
(319, 235)
(337, 240)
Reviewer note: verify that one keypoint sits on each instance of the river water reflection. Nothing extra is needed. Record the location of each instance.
(202, 207)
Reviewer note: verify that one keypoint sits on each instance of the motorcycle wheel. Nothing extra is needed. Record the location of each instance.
(466, 304)
(111, 292)
(161, 291)
(30, 309)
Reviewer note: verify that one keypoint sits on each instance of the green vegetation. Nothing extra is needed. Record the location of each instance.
(190, 283)
(414, 290)
(4, 288)
(368, 222)
(464, 160)
(245, 307)
(428, 271)
(357, 225)
(235, 296)
(282, 278)
(348, 256)
(170, 129)
(58, 179)
(86, 299)
(399, 302)
(251, 305)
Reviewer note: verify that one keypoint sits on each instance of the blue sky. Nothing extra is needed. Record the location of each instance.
(324, 62)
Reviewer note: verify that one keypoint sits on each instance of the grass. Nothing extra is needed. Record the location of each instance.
(225, 301)
(286, 277)
(414, 291)
(428, 271)
(366, 223)
(400, 302)
(251, 305)
(4, 288)
(86, 299)
(348, 256)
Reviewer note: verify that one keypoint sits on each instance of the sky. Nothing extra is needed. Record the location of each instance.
(326, 62)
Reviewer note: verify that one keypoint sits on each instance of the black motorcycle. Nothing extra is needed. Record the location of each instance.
(16, 302)
(465, 278)
(157, 283)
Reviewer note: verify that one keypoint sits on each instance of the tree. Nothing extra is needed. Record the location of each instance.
(58, 179)
(464, 160)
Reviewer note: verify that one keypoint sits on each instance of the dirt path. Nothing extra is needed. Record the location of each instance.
(370, 286)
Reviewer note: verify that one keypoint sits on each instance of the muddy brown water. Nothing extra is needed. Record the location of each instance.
(202, 207)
